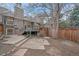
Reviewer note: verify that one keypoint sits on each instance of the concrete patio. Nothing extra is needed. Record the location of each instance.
(13, 39)
(57, 47)
(44, 46)
(35, 43)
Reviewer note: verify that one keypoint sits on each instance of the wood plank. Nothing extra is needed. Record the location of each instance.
(70, 34)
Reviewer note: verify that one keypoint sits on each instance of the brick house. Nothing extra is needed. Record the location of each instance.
(14, 23)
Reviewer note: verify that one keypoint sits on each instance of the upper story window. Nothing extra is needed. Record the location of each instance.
(10, 21)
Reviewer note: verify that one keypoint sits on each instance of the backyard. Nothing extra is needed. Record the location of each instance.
(39, 29)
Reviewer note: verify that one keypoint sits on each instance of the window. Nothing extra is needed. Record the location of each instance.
(10, 31)
(9, 21)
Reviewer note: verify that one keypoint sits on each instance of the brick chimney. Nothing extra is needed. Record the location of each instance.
(18, 11)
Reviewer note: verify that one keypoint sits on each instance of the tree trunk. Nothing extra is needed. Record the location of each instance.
(54, 21)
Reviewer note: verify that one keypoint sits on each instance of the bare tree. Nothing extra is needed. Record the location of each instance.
(55, 10)
(54, 22)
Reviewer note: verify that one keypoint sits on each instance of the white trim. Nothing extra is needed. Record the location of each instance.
(7, 31)
(7, 20)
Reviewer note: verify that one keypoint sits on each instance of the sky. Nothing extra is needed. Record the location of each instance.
(9, 6)
(32, 11)
(27, 10)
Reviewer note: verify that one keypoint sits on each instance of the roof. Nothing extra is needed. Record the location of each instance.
(6, 12)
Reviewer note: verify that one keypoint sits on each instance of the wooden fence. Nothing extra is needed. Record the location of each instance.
(43, 31)
(70, 34)
(1, 28)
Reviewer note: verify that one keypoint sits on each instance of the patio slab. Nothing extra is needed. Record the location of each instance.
(13, 39)
(35, 43)
(20, 52)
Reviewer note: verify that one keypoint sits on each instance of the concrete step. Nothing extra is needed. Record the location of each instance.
(13, 40)
(17, 45)
(20, 52)
(21, 42)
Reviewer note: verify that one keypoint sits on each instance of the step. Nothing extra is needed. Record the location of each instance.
(21, 42)
(14, 40)
(20, 52)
